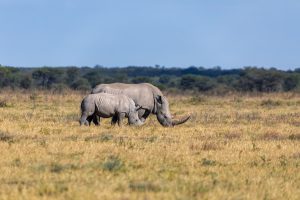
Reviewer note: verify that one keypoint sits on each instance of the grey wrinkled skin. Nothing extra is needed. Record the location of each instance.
(109, 105)
(149, 97)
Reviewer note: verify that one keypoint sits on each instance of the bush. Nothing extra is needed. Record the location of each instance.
(26, 82)
(81, 84)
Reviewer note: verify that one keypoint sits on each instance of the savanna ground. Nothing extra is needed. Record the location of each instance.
(234, 147)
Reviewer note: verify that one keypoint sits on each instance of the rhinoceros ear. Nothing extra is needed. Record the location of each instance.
(158, 99)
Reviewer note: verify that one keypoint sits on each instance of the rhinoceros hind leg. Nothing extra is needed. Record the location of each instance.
(96, 120)
(89, 119)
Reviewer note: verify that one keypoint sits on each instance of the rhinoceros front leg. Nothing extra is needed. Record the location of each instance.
(143, 114)
(121, 116)
(83, 120)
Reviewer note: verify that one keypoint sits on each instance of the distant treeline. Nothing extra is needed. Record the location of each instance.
(196, 79)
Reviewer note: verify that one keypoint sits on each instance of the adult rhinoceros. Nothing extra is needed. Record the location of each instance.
(149, 97)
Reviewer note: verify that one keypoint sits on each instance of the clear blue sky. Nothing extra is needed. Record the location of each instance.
(227, 33)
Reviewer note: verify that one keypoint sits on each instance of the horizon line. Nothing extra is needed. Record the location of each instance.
(154, 66)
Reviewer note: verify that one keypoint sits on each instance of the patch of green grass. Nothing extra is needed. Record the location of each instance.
(210, 146)
(144, 186)
(56, 168)
(44, 131)
(52, 189)
(294, 137)
(150, 139)
(272, 136)
(232, 135)
(197, 189)
(270, 103)
(71, 138)
(112, 163)
(195, 100)
(3, 104)
(16, 162)
(208, 162)
(5, 137)
(104, 137)
(53, 167)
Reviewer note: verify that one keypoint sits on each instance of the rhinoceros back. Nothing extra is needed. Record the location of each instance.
(108, 104)
(142, 94)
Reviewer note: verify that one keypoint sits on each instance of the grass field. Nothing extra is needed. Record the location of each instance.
(234, 147)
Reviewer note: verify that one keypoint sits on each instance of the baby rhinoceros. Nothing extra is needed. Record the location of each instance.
(109, 105)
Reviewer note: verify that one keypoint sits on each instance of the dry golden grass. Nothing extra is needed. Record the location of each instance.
(234, 147)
